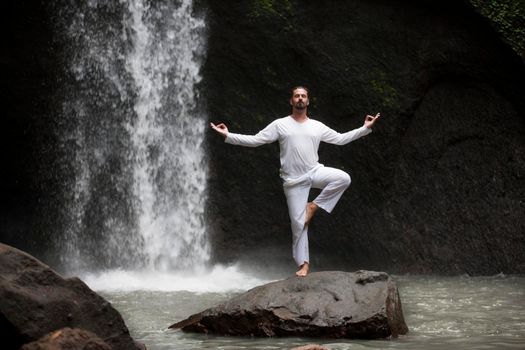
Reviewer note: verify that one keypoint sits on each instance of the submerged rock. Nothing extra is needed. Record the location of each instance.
(35, 300)
(311, 347)
(66, 339)
(364, 304)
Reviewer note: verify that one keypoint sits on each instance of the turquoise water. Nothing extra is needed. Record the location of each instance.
(441, 312)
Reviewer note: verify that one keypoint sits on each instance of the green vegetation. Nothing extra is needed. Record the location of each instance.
(262, 8)
(508, 17)
(265, 5)
(384, 90)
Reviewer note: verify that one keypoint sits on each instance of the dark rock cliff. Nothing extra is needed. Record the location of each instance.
(438, 187)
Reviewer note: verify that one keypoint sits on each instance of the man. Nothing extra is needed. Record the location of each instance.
(299, 138)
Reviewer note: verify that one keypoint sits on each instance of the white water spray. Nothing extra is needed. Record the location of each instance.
(134, 137)
(169, 173)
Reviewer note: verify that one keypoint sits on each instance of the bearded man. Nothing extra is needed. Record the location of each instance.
(299, 138)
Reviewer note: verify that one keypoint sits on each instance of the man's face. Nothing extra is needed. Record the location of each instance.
(299, 99)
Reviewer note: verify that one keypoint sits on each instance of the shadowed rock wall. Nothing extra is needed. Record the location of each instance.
(28, 146)
(437, 187)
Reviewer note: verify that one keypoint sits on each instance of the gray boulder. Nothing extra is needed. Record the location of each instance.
(35, 300)
(335, 304)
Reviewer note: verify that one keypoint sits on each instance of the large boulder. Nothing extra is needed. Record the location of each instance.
(364, 304)
(35, 300)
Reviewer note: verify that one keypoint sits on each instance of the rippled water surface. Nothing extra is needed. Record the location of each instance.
(441, 313)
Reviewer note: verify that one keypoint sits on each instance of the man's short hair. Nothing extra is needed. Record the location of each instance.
(301, 87)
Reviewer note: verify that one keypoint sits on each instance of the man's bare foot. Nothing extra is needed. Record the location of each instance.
(303, 271)
(311, 208)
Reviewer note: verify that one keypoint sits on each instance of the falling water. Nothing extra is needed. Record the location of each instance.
(132, 133)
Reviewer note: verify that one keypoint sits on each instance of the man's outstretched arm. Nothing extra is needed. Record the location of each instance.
(267, 135)
(331, 136)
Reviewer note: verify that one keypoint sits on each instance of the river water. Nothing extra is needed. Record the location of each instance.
(459, 312)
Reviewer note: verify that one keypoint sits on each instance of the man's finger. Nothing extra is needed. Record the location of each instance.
(377, 115)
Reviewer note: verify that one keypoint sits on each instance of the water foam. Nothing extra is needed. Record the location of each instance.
(218, 279)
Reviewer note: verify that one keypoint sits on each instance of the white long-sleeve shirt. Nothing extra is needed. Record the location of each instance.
(299, 142)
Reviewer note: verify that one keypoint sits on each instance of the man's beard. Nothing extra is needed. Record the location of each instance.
(300, 105)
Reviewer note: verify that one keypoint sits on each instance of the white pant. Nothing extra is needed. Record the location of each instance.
(333, 183)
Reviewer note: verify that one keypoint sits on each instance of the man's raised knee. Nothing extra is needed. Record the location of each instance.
(345, 180)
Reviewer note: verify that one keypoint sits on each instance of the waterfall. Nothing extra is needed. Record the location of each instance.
(132, 132)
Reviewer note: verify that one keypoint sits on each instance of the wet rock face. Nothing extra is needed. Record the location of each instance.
(437, 187)
(364, 304)
(35, 300)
